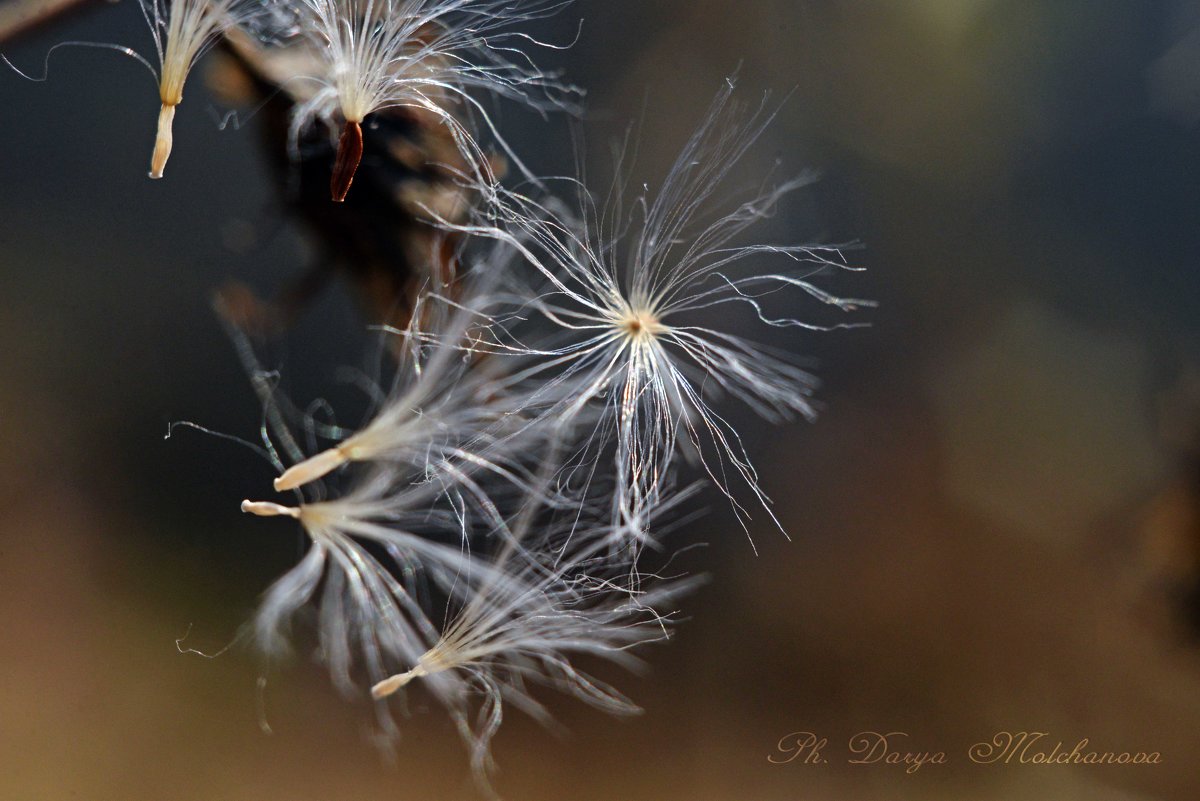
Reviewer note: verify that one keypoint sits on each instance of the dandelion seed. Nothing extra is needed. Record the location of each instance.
(374, 555)
(425, 57)
(540, 607)
(622, 290)
(444, 412)
(183, 30)
(434, 416)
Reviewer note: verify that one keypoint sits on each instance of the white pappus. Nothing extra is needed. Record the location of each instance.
(451, 416)
(183, 30)
(546, 599)
(427, 58)
(638, 299)
(373, 610)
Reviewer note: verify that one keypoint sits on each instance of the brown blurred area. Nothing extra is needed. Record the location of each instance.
(995, 524)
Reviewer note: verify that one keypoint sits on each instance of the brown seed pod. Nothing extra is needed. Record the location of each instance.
(404, 166)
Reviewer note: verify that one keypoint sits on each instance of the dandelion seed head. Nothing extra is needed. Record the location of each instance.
(611, 278)
(555, 592)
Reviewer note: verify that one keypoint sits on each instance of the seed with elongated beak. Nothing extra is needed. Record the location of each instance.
(349, 153)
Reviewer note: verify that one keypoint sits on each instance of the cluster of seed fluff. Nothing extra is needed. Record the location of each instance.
(348, 59)
(493, 518)
(502, 498)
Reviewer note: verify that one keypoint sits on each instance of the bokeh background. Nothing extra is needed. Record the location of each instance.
(995, 522)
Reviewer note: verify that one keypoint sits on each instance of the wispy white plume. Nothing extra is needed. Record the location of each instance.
(545, 601)
(428, 58)
(182, 31)
(375, 556)
(640, 300)
(450, 416)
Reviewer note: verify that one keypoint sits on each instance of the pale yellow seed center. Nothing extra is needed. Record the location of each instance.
(640, 325)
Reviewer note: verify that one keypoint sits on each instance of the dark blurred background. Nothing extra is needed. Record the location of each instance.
(995, 523)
